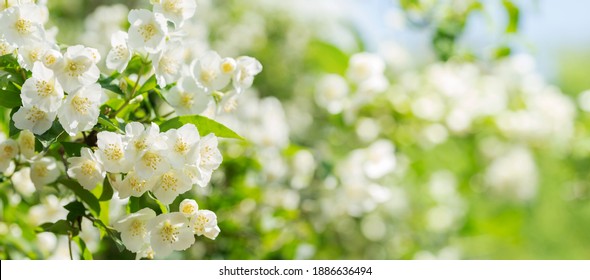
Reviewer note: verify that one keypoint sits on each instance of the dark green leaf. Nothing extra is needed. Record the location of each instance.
(107, 191)
(203, 124)
(76, 209)
(52, 134)
(12, 130)
(133, 205)
(86, 196)
(60, 227)
(73, 148)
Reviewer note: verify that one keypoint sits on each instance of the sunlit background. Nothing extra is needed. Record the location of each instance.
(378, 129)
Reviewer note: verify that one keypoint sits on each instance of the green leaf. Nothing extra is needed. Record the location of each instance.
(513, 16)
(204, 125)
(9, 63)
(150, 84)
(86, 196)
(85, 253)
(111, 233)
(9, 92)
(107, 191)
(62, 227)
(12, 130)
(326, 57)
(108, 124)
(133, 205)
(76, 209)
(73, 149)
(52, 134)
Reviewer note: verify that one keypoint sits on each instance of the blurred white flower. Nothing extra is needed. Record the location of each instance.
(209, 158)
(44, 171)
(176, 11)
(135, 186)
(364, 66)
(331, 93)
(513, 174)
(8, 151)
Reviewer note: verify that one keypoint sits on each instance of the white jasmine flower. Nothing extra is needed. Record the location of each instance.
(33, 52)
(81, 109)
(209, 159)
(168, 63)
(246, 68)
(176, 11)
(148, 31)
(134, 229)
(42, 89)
(111, 152)
(135, 186)
(331, 93)
(170, 185)
(77, 68)
(87, 169)
(26, 144)
(34, 119)
(209, 72)
(182, 143)
(52, 58)
(22, 25)
(188, 98)
(44, 171)
(139, 139)
(188, 207)
(205, 223)
(170, 232)
(119, 56)
(8, 151)
(153, 162)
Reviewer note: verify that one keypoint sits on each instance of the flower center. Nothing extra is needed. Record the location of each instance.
(75, 69)
(186, 100)
(147, 31)
(227, 67)
(172, 6)
(207, 75)
(35, 115)
(113, 152)
(188, 209)
(169, 181)
(88, 167)
(81, 104)
(180, 146)
(151, 160)
(41, 170)
(136, 184)
(23, 26)
(137, 228)
(8, 151)
(169, 233)
(44, 88)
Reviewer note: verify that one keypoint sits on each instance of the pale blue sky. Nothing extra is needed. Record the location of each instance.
(547, 28)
